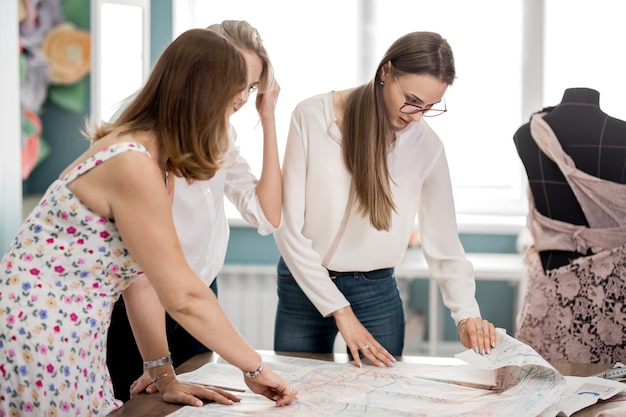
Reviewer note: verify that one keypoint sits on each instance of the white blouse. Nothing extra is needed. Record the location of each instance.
(200, 217)
(316, 185)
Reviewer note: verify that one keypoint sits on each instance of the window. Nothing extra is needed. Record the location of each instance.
(484, 103)
(512, 58)
(340, 49)
(583, 49)
(121, 58)
(308, 55)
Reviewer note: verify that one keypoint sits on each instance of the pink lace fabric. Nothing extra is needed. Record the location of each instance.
(577, 313)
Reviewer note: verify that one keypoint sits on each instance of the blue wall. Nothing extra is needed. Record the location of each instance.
(160, 27)
(61, 130)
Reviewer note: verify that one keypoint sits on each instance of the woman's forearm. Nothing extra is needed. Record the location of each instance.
(203, 317)
(147, 319)
(269, 187)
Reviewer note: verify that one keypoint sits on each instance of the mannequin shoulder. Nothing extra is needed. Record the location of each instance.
(522, 134)
(617, 123)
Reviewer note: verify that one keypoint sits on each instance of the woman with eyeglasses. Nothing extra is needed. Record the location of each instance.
(359, 165)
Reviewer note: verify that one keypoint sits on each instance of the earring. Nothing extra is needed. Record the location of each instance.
(382, 82)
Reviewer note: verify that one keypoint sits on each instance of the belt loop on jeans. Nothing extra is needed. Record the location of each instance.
(335, 274)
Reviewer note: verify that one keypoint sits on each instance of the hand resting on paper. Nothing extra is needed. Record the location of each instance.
(359, 339)
(270, 385)
(177, 392)
(267, 384)
(477, 334)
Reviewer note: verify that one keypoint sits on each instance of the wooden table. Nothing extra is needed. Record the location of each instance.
(151, 405)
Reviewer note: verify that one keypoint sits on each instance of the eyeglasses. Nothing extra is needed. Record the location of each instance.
(409, 108)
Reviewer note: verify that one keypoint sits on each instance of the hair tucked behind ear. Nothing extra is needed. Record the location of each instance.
(186, 102)
(367, 135)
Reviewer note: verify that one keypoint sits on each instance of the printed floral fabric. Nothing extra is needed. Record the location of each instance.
(576, 313)
(59, 280)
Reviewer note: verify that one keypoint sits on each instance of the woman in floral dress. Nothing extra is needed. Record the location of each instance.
(106, 221)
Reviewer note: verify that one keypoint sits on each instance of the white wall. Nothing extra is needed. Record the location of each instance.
(10, 125)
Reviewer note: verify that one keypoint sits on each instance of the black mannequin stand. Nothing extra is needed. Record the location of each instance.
(594, 140)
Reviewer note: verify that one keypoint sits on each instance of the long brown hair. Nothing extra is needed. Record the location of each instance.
(367, 134)
(185, 102)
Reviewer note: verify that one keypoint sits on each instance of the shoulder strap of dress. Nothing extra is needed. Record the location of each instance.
(546, 139)
(101, 156)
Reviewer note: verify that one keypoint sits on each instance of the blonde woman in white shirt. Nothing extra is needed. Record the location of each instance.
(359, 165)
(198, 208)
(201, 223)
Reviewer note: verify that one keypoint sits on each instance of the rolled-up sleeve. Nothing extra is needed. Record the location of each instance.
(240, 189)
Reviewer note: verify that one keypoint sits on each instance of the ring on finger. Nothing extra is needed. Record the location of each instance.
(365, 347)
(479, 329)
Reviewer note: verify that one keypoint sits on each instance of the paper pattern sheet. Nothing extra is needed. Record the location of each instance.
(511, 381)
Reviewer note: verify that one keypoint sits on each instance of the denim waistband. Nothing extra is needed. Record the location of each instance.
(377, 273)
(282, 269)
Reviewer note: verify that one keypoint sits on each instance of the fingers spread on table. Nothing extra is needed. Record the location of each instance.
(377, 355)
(191, 394)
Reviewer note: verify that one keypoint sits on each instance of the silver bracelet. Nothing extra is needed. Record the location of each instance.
(158, 362)
(156, 378)
(254, 374)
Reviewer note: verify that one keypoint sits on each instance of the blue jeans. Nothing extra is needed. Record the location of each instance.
(373, 296)
(183, 346)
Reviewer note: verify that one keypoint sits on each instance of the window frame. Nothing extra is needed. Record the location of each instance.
(503, 214)
(96, 49)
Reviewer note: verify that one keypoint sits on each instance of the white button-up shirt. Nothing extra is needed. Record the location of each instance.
(316, 186)
(200, 218)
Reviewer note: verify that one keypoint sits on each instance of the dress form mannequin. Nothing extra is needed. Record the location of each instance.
(594, 140)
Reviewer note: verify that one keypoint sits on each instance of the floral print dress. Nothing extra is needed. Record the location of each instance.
(59, 280)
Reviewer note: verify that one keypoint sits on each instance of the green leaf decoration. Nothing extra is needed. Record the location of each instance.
(70, 97)
(29, 128)
(77, 12)
(23, 66)
(44, 150)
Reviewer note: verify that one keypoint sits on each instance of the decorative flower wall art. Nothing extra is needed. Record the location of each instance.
(55, 57)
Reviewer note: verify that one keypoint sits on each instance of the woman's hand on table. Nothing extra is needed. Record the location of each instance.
(477, 334)
(177, 392)
(359, 339)
(143, 383)
(269, 384)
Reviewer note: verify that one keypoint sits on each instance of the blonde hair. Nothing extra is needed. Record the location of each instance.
(367, 134)
(186, 103)
(245, 36)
